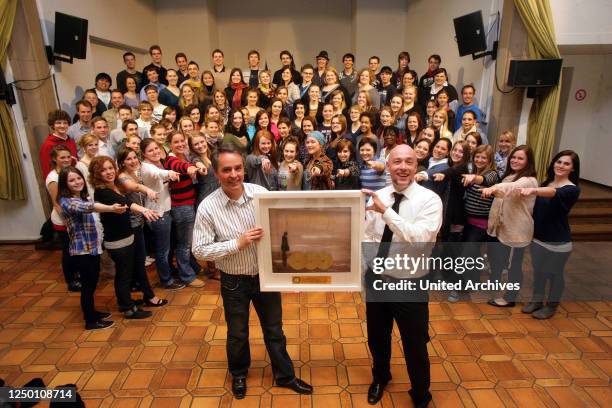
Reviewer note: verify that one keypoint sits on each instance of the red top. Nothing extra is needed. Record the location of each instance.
(182, 192)
(45, 151)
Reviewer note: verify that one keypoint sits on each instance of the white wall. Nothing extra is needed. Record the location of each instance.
(580, 22)
(133, 23)
(379, 28)
(21, 220)
(187, 26)
(587, 123)
(303, 27)
(430, 30)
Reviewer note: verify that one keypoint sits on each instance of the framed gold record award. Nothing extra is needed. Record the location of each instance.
(312, 240)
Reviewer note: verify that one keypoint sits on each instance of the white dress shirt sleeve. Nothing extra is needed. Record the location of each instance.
(204, 246)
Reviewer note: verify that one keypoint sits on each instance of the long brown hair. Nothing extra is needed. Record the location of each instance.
(466, 154)
(95, 171)
(490, 153)
(55, 152)
(122, 154)
(529, 170)
(206, 159)
(574, 176)
(264, 134)
(62, 183)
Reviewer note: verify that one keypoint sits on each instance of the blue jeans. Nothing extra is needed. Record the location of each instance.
(184, 217)
(237, 292)
(161, 242)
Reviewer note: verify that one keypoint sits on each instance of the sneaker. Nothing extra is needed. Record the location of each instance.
(196, 283)
(149, 261)
(175, 286)
(102, 315)
(100, 324)
(136, 313)
(74, 286)
(453, 296)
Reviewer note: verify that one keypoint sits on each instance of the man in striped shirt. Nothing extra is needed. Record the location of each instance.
(225, 232)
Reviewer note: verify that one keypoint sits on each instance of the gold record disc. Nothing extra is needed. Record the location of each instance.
(325, 261)
(312, 261)
(296, 260)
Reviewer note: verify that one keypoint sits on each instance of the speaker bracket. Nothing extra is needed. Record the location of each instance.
(492, 53)
(51, 57)
(532, 92)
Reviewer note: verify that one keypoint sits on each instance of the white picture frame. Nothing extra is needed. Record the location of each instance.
(322, 230)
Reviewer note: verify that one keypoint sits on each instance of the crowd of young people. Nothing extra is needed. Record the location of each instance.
(140, 155)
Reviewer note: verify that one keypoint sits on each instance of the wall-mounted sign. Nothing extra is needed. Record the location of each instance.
(580, 95)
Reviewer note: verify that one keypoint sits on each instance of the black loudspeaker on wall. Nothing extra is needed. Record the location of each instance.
(70, 36)
(470, 33)
(534, 73)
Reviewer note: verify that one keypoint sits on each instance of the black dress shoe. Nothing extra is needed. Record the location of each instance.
(422, 403)
(375, 392)
(297, 385)
(74, 286)
(239, 387)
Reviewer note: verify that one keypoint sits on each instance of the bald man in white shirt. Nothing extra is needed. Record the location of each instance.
(410, 214)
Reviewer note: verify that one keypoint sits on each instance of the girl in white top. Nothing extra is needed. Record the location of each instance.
(89, 144)
(61, 157)
(156, 178)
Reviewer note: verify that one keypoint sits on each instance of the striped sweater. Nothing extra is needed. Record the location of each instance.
(182, 192)
(475, 205)
(371, 179)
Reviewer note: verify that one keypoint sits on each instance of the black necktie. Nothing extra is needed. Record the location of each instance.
(385, 242)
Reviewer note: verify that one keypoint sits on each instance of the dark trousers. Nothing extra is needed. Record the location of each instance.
(473, 237)
(412, 320)
(89, 268)
(238, 292)
(68, 267)
(502, 256)
(548, 266)
(140, 270)
(124, 268)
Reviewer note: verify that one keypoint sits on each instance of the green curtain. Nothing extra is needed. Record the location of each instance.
(11, 177)
(537, 18)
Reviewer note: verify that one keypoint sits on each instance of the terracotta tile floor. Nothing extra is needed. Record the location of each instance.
(481, 356)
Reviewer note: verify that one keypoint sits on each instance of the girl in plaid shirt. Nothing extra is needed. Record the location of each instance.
(83, 245)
